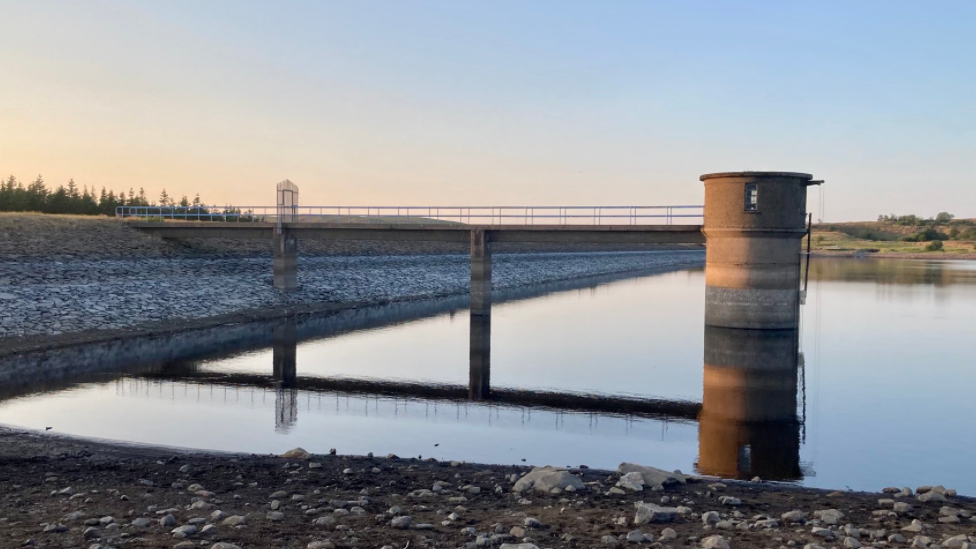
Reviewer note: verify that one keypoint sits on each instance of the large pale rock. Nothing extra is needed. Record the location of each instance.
(829, 516)
(653, 477)
(715, 542)
(956, 542)
(915, 527)
(632, 481)
(649, 512)
(796, 516)
(296, 453)
(544, 479)
(931, 496)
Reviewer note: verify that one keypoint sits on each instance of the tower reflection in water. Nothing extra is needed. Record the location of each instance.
(747, 425)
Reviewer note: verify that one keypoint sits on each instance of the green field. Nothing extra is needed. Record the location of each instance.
(887, 238)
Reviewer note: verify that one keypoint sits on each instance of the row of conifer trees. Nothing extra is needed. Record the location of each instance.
(16, 196)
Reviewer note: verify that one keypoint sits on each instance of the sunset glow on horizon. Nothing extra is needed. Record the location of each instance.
(493, 103)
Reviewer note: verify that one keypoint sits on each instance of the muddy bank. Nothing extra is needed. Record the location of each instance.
(64, 492)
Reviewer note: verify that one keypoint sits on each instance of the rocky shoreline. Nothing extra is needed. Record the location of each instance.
(63, 276)
(66, 492)
(48, 298)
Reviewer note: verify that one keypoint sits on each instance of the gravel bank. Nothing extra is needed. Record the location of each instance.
(62, 492)
(49, 297)
(74, 274)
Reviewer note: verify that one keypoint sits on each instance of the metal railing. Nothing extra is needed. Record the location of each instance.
(399, 215)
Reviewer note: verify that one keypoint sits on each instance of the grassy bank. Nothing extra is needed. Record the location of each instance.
(889, 239)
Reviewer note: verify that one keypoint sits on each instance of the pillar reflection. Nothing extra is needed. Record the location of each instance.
(284, 338)
(479, 381)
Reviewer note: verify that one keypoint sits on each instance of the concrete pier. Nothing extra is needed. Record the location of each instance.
(285, 245)
(754, 223)
(480, 272)
(748, 425)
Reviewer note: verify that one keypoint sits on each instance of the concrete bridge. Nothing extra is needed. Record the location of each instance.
(752, 224)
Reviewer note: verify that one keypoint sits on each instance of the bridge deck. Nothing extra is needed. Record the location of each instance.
(630, 234)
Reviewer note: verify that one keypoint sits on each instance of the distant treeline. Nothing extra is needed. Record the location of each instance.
(35, 196)
(943, 226)
(942, 218)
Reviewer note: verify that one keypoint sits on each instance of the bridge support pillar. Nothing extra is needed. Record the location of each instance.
(480, 272)
(754, 223)
(285, 245)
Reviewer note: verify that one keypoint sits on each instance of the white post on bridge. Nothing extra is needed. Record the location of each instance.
(284, 241)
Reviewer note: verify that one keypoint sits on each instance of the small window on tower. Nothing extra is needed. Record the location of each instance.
(752, 197)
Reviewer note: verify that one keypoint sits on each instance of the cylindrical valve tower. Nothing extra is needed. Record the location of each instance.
(754, 223)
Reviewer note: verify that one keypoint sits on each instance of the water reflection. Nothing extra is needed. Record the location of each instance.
(479, 383)
(600, 372)
(748, 425)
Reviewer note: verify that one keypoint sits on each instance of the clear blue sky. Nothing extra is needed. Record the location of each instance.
(494, 102)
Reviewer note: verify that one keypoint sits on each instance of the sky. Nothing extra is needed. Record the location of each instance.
(494, 102)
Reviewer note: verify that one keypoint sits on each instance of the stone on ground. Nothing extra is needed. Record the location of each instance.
(651, 513)
(652, 476)
(715, 542)
(545, 479)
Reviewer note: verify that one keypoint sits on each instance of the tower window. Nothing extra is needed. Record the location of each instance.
(752, 197)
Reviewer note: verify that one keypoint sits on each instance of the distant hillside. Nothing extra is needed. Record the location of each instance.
(899, 235)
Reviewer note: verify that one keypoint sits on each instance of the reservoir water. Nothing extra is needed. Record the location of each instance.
(875, 389)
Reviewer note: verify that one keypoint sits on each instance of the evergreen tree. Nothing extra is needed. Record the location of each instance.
(58, 201)
(7, 194)
(73, 191)
(36, 195)
(69, 199)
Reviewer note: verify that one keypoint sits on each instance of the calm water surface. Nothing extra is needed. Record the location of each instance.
(880, 392)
